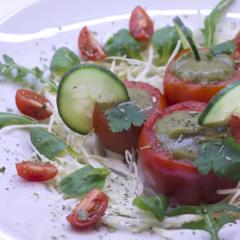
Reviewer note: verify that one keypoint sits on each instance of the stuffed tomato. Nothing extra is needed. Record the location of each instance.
(168, 147)
(187, 79)
(147, 98)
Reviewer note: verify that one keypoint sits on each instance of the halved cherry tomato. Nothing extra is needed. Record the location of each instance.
(125, 140)
(36, 171)
(177, 90)
(178, 179)
(89, 211)
(140, 25)
(33, 104)
(88, 46)
(234, 124)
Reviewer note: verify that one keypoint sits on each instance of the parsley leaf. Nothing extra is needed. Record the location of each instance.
(10, 70)
(124, 115)
(83, 180)
(227, 47)
(221, 157)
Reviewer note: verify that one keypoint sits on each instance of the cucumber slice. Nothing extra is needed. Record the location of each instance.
(221, 106)
(82, 87)
(185, 37)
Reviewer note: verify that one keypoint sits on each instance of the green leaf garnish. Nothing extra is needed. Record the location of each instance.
(124, 115)
(83, 181)
(63, 60)
(211, 21)
(156, 205)
(8, 119)
(122, 43)
(12, 71)
(221, 157)
(227, 47)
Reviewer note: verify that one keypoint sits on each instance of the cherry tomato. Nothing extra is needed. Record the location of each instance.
(33, 104)
(36, 171)
(88, 46)
(234, 124)
(119, 142)
(178, 179)
(177, 90)
(140, 25)
(89, 211)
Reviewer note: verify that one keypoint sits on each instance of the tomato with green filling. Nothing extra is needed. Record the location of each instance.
(168, 145)
(147, 98)
(187, 79)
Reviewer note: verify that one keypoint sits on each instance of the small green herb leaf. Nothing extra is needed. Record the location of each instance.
(188, 209)
(124, 115)
(83, 180)
(62, 60)
(156, 205)
(220, 157)
(48, 144)
(211, 21)
(227, 47)
(8, 119)
(122, 43)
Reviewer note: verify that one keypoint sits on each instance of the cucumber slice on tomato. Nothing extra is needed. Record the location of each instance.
(222, 106)
(81, 88)
(185, 37)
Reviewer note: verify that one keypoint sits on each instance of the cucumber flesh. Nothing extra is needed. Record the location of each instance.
(185, 37)
(222, 106)
(81, 88)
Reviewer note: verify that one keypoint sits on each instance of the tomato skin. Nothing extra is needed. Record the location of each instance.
(94, 204)
(176, 90)
(33, 104)
(119, 142)
(88, 46)
(36, 171)
(178, 179)
(234, 124)
(236, 40)
(140, 25)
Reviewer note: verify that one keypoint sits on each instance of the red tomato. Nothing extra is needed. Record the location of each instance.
(89, 211)
(140, 25)
(236, 40)
(176, 90)
(119, 142)
(33, 104)
(88, 46)
(36, 171)
(234, 124)
(178, 179)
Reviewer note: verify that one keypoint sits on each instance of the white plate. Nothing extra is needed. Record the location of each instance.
(29, 210)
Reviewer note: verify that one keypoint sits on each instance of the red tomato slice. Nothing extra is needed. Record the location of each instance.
(36, 171)
(88, 46)
(140, 25)
(234, 124)
(33, 104)
(177, 90)
(178, 179)
(89, 211)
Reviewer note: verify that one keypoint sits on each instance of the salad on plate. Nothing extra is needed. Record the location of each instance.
(140, 133)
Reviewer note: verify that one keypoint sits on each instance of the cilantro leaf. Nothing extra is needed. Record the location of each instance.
(124, 115)
(83, 180)
(221, 157)
(122, 43)
(156, 205)
(227, 47)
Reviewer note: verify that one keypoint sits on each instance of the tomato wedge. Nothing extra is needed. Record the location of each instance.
(33, 104)
(36, 171)
(89, 211)
(140, 25)
(88, 46)
(176, 178)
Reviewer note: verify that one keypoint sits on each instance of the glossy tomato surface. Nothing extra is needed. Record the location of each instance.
(33, 104)
(36, 171)
(127, 139)
(140, 24)
(89, 211)
(177, 90)
(178, 179)
(88, 46)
